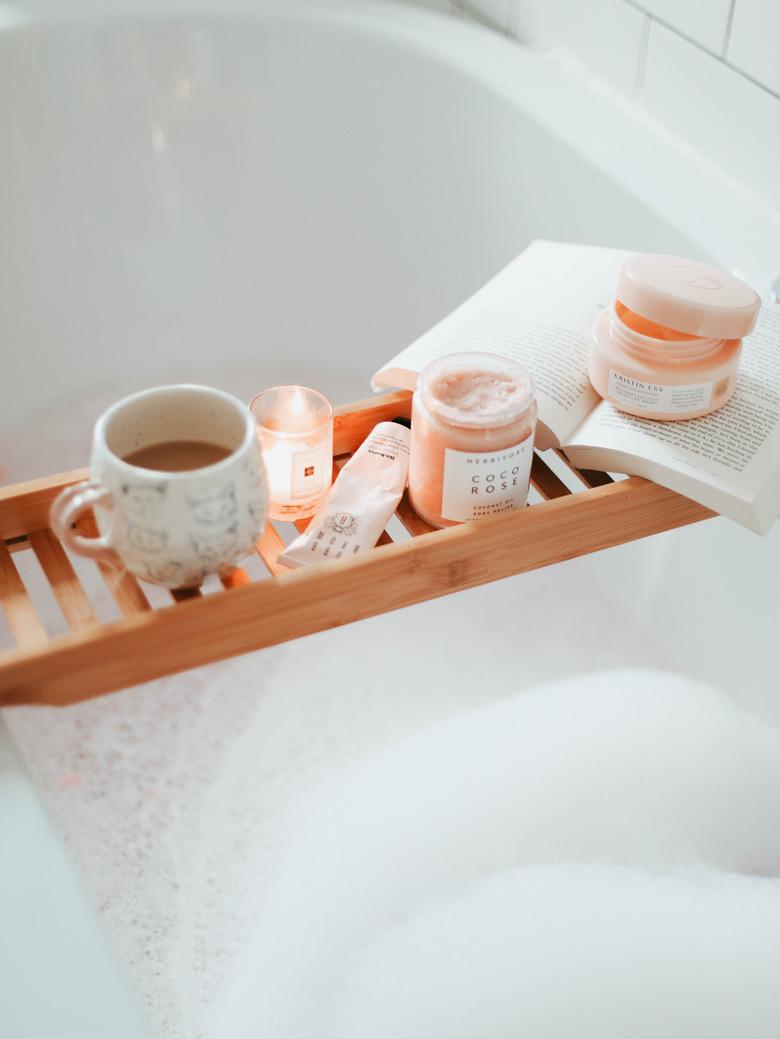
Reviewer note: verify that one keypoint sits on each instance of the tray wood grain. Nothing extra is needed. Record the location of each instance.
(194, 629)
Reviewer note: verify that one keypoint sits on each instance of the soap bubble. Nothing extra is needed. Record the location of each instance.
(575, 950)
(595, 857)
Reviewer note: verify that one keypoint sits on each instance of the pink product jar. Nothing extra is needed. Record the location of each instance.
(473, 424)
(669, 346)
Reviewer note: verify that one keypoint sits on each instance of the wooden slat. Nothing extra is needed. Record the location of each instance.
(409, 518)
(18, 544)
(183, 594)
(76, 607)
(269, 548)
(353, 422)
(235, 577)
(264, 613)
(594, 478)
(25, 506)
(23, 620)
(590, 477)
(547, 483)
(126, 591)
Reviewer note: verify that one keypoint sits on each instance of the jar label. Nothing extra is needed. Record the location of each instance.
(308, 472)
(485, 483)
(653, 396)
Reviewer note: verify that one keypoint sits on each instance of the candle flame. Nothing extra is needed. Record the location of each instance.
(297, 403)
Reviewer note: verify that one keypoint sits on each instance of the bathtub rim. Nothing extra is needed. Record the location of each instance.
(730, 222)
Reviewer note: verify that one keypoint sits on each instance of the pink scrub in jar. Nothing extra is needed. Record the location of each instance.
(669, 346)
(473, 424)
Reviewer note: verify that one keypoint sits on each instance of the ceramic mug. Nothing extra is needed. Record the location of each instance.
(170, 528)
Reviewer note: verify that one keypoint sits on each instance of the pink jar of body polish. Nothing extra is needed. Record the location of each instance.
(473, 424)
(669, 346)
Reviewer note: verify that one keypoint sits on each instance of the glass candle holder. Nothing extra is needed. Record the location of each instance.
(295, 427)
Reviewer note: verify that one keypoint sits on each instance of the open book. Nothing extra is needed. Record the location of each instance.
(539, 311)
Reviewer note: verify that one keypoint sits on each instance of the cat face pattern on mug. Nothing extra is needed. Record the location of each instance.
(144, 499)
(212, 546)
(219, 520)
(213, 506)
(146, 539)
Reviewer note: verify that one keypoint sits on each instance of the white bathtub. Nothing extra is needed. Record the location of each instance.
(270, 193)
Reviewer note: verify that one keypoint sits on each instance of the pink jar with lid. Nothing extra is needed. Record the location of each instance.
(473, 424)
(669, 346)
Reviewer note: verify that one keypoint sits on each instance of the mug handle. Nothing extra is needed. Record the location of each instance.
(66, 509)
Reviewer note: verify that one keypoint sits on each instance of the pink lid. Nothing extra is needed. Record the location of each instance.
(688, 296)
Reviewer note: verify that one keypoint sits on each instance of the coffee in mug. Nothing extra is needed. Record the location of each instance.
(178, 456)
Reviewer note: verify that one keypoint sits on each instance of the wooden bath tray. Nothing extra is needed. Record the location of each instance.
(194, 628)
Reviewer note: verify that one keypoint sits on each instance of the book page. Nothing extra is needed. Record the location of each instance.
(728, 461)
(538, 311)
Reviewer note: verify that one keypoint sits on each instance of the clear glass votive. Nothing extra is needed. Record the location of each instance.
(295, 427)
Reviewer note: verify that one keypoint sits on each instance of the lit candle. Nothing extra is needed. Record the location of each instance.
(295, 426)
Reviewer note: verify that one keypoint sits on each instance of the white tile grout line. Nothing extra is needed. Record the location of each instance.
(466, 7)
(694, 43)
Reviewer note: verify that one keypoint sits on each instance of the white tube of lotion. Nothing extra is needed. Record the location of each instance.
(360, 502)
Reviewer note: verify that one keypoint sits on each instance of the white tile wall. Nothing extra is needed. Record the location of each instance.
(705, 22)
(609, 39)
(755, 41)
(733, 121)
(709, 69)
